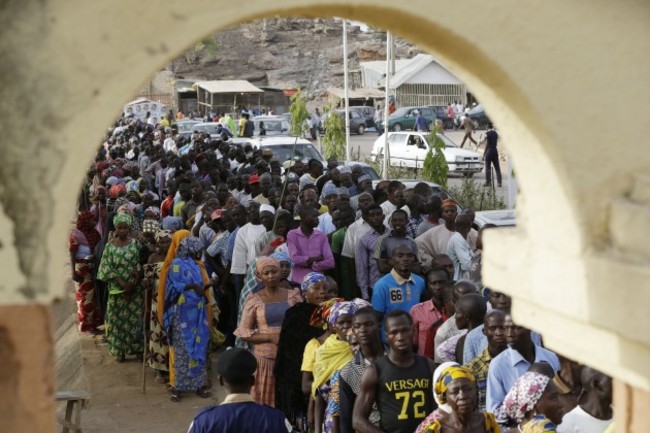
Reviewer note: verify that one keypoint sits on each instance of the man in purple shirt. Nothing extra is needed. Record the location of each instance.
(308, 247)
(367, 271)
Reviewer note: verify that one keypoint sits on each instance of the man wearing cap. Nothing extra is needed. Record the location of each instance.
(253, 190)
(330, 199)
(265, 183)
(436, 240)
(239, 412)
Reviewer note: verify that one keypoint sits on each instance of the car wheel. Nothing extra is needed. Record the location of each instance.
(361, 130)
(397, 127)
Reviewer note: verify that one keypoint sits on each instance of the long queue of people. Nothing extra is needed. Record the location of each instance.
(344, 306)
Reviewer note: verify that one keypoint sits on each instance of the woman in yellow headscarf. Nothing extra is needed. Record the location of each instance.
(456, 387)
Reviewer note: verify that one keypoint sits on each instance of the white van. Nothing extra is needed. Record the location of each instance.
(409, 149)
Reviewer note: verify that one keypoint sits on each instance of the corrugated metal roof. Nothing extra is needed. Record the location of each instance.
(227, 86)
(356, 94)
(404, 69)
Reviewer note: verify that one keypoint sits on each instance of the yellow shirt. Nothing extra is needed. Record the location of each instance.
(309, 355)
(177, 209)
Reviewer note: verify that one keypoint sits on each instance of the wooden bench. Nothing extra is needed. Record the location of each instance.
(72, 399)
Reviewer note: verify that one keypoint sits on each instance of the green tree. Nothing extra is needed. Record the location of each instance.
(334, 138)
(299, 113)
(435, 168)
(472, 194)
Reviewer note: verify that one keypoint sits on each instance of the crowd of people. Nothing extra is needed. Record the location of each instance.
(334, 304)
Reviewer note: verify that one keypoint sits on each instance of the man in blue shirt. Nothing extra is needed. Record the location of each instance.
(421, 123)
(400, 289)
(513, 362)
(238, 412)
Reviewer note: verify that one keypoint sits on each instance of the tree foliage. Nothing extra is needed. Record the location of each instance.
(206, 47)
(435, 168)
(334, 138)
(299, 113)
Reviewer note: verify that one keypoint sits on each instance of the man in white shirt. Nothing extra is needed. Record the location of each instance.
(395, 200)
(170, 142)
(357, 229)
(244, 250)
(594, 413)
(331, 200)
(458, 249)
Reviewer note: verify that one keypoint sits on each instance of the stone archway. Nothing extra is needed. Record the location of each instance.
(70, 65)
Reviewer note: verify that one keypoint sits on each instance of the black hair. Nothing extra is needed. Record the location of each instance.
(395, 314)
(372, 207)
(394, 185)
(475, 306)
(314, 161)
(400, 211)
(440, 270)
(369, 311)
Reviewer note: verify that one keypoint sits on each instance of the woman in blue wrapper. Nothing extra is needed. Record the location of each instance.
(186, 320)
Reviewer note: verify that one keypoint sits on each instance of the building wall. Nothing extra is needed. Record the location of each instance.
(576, 265)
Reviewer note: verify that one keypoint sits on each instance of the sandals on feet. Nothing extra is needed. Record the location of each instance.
(176, 396)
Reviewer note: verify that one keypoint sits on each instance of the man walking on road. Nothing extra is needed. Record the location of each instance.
(421, 123)
(491, 156)
(468, 125)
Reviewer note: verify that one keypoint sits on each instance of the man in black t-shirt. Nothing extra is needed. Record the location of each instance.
(491, 156)
(400, 383)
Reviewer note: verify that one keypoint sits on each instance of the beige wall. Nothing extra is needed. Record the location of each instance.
(565, 82)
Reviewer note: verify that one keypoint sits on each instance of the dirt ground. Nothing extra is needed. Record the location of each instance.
(118, 403)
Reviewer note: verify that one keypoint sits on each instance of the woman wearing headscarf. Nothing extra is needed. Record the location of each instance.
(83, 241)
(455, 390)
(532, 404)
(173, 224)
(186, 319)
(158, 344)
(295, 334)
(330, 358)
(120, 269)
(261, 323)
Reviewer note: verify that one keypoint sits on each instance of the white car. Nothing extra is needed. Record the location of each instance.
(284, 147)
(409, 149)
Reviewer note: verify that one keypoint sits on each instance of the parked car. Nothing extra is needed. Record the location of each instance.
(274, 125)
(211, 128)
(367, 169)
(441, 114)
(404, 118)
(313, 123)
(187, 125)
(410, 183)
(500, 218)
(409, 149)
(285, 147)
(478, 116)
(368, 113)
(357, 122)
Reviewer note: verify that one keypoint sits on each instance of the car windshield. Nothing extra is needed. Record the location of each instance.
(186, 126)
(368, 170)
(446, 140)
(284, 152)
(210, 129)
(400, 112)
(271, 125)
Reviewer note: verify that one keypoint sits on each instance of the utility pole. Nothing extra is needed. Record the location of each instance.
(386, 103)
(345, 90)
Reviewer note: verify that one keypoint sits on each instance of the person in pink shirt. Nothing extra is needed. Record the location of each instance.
(308, 247)
(429, 315)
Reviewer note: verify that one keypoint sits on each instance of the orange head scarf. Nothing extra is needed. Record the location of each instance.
(177, 237)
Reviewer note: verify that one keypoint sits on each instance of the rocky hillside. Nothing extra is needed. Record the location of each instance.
(287, 53)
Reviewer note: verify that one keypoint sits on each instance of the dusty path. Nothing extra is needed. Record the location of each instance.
(118, 404)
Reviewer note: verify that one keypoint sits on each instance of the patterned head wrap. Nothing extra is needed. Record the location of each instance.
(436, 374)
(347, 307)
(172, 223)
(282, 256)
(121, 201)
(190, 245)
(150, 226)
(309, 281)
(523, 396)
(447, 376)
(162, 235)
(154, 210)
(126, 208)
(265, 262)
(122, 218)
(115, 190)
(132, 186)
(320, 314)
(112, 180)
